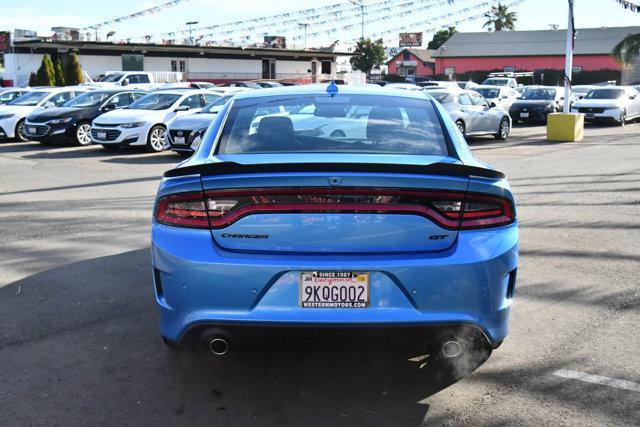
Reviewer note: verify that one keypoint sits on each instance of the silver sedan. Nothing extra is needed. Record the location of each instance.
(473, 114)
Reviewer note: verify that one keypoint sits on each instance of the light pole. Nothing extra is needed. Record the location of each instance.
(190, 24)
(304, 25)
(360, 4)
(568, 65)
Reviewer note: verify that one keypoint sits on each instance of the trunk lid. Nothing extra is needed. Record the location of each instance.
(329, 209)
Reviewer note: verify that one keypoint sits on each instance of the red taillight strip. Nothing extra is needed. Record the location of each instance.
(424, 211)
(163, 215)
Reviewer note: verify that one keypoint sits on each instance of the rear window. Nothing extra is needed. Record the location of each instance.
(368, 124)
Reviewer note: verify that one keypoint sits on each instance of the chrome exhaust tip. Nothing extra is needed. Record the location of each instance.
(451, 349)
(219, 346)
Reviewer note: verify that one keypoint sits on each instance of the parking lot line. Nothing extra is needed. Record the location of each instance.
(597, 379)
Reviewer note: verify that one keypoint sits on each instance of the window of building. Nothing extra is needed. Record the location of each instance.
(326, 67)
(406, 56)
(402, 71)
(132, 62)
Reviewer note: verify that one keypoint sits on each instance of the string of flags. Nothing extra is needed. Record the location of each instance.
(152, 10)
(630, 6)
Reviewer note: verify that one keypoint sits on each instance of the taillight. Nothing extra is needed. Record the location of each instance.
(219, 209)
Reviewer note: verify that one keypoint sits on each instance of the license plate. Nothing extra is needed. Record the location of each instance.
(590, 115)
(31, 130)
(524, 115)
(179, 140)
(102, 135)
(334, 289)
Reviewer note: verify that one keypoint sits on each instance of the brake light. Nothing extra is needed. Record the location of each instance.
(219, 209)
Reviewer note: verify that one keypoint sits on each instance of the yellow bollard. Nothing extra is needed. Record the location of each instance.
(565, 127)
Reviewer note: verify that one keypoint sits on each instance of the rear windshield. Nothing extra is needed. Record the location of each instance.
(368, 124)
(605, 94)
(539, 94)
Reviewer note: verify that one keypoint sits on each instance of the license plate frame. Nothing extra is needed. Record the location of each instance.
(32, 130)
(590, 115)
(179, 140)
(101, 135)
(524, 115)
(335, 289)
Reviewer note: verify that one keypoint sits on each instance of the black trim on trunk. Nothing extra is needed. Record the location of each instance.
(229, 168)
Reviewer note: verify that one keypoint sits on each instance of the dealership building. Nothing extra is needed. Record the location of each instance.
(532, 51)
(196, 63)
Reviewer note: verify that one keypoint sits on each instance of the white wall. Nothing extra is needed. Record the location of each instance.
(19, 66)
(205, 65)
(293, 67)
(96, 65)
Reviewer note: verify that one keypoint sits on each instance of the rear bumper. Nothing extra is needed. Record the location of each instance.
(200, 284)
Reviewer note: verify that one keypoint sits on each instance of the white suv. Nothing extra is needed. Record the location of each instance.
(144, 122)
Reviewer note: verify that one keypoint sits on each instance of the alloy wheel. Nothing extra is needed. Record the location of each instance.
(157, 139)
(82, 134)
(21, 135)
(504, 129)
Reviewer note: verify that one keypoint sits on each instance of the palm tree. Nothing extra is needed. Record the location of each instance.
(628, 50)
(499, 18)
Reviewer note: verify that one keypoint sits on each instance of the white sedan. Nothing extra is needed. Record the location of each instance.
(144, 122)
(13, 114)
(500, 96)
(613, 103)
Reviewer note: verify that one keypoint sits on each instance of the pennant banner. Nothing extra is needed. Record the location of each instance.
(149, 11)
(630, 6)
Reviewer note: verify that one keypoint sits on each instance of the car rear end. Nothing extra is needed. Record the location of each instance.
(401, 230)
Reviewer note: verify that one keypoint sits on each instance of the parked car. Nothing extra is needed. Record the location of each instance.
(144, 122)
(402, 86)
(131, 79)
(187, 85)
(536, 102)
(435, 84)
(8, 94)
(472, 114)
(467, 85)
(501, 96)
(610, 103)
(73, 119)
(184, 133)
(14, 114)
(250, 85)
(400, 236)
(267, 84)
(501, 81)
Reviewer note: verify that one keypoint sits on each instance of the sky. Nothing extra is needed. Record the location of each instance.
(41, 15)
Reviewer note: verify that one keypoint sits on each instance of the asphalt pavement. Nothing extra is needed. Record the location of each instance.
(79, 336)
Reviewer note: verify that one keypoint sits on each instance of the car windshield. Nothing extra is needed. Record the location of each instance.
(215, 105)
(488, 93)
(89, 99)
(605, 94)
(367, 124)
(30, 99)
(155, 101)
(496, 82)
(539, 94)
(111, 78)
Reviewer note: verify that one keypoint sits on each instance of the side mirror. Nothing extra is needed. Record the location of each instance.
(492, 104)
(632, 97)
(125, 82)
(49, 104)
(108, 107)
(182, 108)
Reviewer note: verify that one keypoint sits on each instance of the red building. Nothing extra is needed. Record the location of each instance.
(529, 50)
(412, 62)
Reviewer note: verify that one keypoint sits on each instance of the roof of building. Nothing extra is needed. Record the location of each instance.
(589, 41)
(425, 55)
(145, 48)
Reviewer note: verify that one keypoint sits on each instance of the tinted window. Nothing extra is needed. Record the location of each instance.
(89, 99)
(155, 101)
(143, 78)
(111, 78)
(60, 98)
(30, 99)
(192, 101)
(209, 98)
(539, 94)
(605, 94)
(391, 125)
(133, 78)
(488, 92)
(216, 105)
(138, 95)
(478, 100)
(9, 96)
(120, 100)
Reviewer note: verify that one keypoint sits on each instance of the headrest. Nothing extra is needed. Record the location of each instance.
(383, 121)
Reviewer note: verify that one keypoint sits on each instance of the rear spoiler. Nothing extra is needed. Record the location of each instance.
(232, 168)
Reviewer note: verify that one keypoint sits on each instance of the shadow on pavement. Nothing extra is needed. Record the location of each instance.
(79, 343)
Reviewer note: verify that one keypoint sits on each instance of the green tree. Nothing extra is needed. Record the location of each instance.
(33, 79)
(59, 73)
(441, 38)
(46, 74)
(73, 71)
(371, 54)
(628, 50)
(500, 19)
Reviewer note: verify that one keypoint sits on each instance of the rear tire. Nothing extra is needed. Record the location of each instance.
(156, 139)
(503, 129)
(623, 119)
(20, 135)
(461, 127)
(83, 133)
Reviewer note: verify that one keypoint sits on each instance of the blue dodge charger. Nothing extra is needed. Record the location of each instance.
(318, 208)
